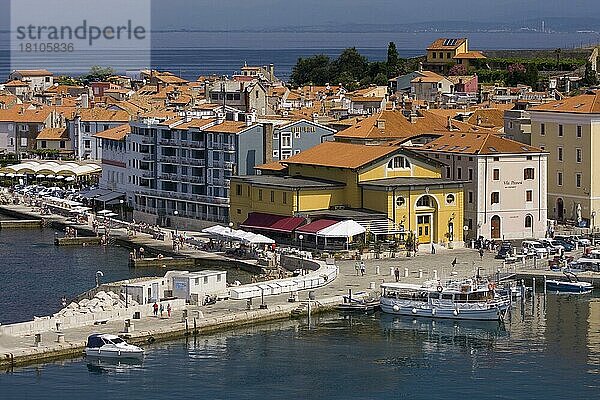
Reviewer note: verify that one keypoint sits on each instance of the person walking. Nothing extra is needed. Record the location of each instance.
(481, 253)
(357, 267)
(397, 274)
(162, 309)
(169, 310)
(155, 308)
(454, 263)
(362, 268)
(432, 248)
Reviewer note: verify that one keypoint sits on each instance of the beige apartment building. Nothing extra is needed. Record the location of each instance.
(569, 130)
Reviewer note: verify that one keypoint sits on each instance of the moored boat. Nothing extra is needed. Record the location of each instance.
(111, 346)
(571, 285)
(470, 299)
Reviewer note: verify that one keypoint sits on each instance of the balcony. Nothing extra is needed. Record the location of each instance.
(147, 174)
(169, 159)
(147, 140)
(169, 177)
(229, 148)
(197, 162)
(169, 142)
(148, 157)
(215, 146)
(196, 145)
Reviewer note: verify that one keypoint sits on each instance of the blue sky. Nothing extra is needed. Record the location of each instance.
(257, 14)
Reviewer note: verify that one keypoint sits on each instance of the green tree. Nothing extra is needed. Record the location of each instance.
(380, 80)
(590, 77)
(97, 74)
(315, 70)
(351, 62)
(393, 60)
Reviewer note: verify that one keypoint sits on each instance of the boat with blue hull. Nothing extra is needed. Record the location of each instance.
(570, 286)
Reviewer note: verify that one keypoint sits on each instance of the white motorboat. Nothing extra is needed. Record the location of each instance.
(111, 346)
(470, 299)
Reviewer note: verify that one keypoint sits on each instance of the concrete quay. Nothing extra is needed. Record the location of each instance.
(21, 224)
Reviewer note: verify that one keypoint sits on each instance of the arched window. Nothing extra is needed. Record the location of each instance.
(425, 201)
(528, 221)
(400, 201)
(398, 162)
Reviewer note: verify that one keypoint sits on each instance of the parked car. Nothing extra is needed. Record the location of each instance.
(553, 248)
(533, 247)
(565, 238)
(568, 246)
(581, 241)
(505, 250)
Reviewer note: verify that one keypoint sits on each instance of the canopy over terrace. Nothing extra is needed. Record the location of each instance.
(279, 225)
(54, 169)
(327, 232)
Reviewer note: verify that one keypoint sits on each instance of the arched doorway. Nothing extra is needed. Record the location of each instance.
(496, 232)
(529, 224)
(560, 209)
(426, 208)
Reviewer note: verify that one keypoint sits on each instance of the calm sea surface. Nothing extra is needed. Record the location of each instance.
(550, 351)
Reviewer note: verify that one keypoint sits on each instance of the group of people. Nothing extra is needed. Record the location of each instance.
(156, 309)
(360, 267)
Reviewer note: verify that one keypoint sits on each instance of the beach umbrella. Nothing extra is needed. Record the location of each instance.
(69, 179)
(60, 177)
(103, 212)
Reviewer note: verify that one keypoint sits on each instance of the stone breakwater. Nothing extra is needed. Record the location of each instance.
(102, 301)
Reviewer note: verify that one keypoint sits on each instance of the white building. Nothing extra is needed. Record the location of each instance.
(195, 286)
(37, 79)
(115, 174)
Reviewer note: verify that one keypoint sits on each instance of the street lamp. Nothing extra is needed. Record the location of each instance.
(99, 274)
(175, 213)
(121, 210)
(230, 232)
(593, 226)
(301, 237)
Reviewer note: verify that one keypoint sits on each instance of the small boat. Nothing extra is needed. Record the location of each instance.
(572, 285)
(469, 299)
(354, 305)
(111, 346)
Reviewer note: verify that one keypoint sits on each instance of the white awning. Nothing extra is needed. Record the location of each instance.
(215, 230)
(260, 239)
(344, 229)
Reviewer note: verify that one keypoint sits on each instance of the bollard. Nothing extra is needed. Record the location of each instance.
(435, 276)
(406, 272)
(391, 271)
(533, 287)
(377, 270)
(420, 273)
(195, 329)
(60, 338)
(371, 285)
(544, 284)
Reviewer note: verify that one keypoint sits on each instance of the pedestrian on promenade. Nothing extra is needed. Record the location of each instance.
(481, 253)
(432, 248)
(142, 253)
(155, 308)
(162, 309)
(169, 310)
(454, 263)
(397, 274)
(362, 268)
(357, 267)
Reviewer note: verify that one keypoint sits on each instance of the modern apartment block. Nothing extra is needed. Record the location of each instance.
(569, 130)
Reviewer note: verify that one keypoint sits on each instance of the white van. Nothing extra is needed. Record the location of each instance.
(534, 248)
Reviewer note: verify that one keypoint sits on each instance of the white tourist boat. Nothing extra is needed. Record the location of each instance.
(111, 346)
(470, 299)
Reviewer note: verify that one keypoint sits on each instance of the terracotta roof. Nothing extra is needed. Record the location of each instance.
(116, 133)
(427, 76)
(457, 78)
(439, 44)
(228, 127)
(16, 83)
(488, 117)
(195, 123)
(473, 143)
(582, 104)
(341, 155)
(470, 55)
(272, 166)
(34, 72)
(102, 114)
(53, 134)
(21, 113)
(367, 99)
(170, 78)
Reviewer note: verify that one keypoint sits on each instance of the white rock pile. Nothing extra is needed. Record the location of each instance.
(102, 301)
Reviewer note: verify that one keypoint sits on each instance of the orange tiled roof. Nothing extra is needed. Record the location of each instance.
(472, 55)
(16, 83)
(116, 133)
(34, 72)
(489, 117)
(272, 166)
(21, 113)
(582, 104)
(228, 127)
(427, 76)
(195, 123)
(341, 155)
(102, 114)
(53, 134)
(474, 143)
(439, 44)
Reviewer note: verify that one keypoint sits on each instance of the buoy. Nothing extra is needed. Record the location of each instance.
(455, 313)
(396, 308)
(414, 310)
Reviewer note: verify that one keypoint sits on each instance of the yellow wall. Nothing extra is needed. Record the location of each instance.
(461, 49)
(242, 205)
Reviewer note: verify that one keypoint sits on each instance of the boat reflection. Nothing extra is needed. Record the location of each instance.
(110, 366)
(448, 331)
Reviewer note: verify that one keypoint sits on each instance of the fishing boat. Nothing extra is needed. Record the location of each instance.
(572, 285)
(111, 346)
(469, 299)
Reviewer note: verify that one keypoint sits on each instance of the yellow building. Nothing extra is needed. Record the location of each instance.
(446, 52)
(569, 130)
(387, 189)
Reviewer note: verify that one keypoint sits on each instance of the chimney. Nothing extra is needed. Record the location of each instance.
(272, 71)
(85, 101)
(479, 120)
(450, 127)
(412, 118)
(250, 118)
(220, 117)
(420, 66)
(380, 124)
(315, 118)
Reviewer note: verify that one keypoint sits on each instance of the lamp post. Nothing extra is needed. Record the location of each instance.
(99, 274)
(593, 226)
(175, 213)
(121, 210)
(301, 238)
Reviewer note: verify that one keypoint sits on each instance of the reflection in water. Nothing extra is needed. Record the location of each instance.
(593, 342)
(112, 366)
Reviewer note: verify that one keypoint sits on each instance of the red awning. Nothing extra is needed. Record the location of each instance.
(316, 226)
(272, 222)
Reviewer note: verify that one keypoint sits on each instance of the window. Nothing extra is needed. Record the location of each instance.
(275, 153)
(496, 174)
(496, 158)
(578, 155)
(434, 55)
(470, 223)
(579, 130)
(398, 162)
(275, 135)
(578, 180)
(529, 195)
(542, 129)
(62, 144)
(297, 134)
(286, 140)
(470, 174)
(448, 172)
(448, 55)
(219, 278)
(284, 197)
(528, 221)
(272, 196)
(560, 153)
(559, 178)
(43, 144)
(285, 154)
(206, 280)
(400, 201)
(86, 128)
(441, 55)
(87, 144)
(259, 194)
(459, 173)
(470, 197)
(238, 190)
(495, 197)
(528, 173)
(450, 199)
(424, 201)
(560, 131)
